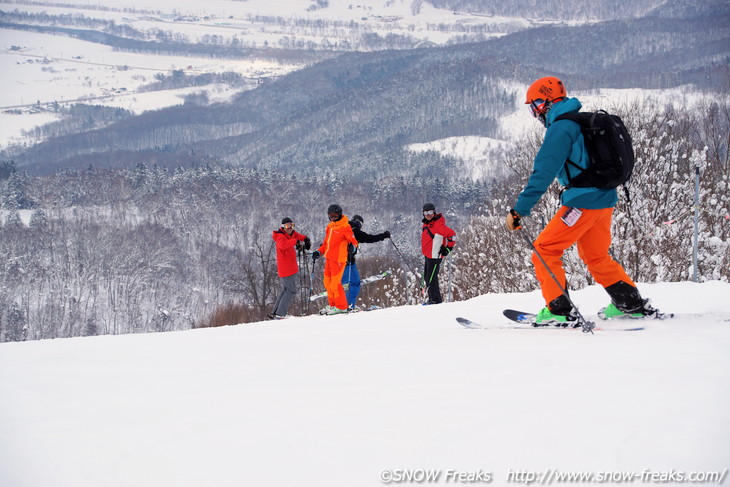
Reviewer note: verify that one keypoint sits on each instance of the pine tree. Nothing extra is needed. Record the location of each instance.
(16, 324)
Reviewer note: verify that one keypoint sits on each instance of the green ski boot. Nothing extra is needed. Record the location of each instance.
(611, 312)
(546, 317)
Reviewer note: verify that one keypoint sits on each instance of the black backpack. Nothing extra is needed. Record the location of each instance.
(610, 153)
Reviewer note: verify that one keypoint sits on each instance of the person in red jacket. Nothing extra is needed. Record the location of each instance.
(334, 250)
(437, 241)
(287, 243)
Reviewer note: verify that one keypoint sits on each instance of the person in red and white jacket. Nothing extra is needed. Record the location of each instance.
(287, 243)
(437, 241)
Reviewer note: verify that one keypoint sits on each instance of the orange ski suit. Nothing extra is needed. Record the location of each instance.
(334, 250)
(592, 232)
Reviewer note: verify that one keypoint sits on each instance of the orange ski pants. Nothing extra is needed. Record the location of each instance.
(333, 271)
(592, 232)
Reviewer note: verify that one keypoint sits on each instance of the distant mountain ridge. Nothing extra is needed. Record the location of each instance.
(356, 112)
(553, 9)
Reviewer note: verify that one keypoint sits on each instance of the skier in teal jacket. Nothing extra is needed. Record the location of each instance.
(584, 216)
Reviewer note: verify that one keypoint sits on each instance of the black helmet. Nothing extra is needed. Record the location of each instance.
(358, 218)
(429, 206)
(336, 211)
(286, 220)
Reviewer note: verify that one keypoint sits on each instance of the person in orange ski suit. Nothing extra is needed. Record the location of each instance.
(334, 250)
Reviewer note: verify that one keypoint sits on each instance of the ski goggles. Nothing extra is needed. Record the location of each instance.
(429, 212)
(333, 216)
(288, 225)
(538, 107)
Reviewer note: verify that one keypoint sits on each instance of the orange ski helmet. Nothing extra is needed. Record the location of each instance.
(548, 88)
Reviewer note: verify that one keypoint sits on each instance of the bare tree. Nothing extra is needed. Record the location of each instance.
(256, 277)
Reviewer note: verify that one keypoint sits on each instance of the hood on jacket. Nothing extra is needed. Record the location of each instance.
(565, 106)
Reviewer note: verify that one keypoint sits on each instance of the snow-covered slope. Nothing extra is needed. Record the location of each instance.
(336, 401)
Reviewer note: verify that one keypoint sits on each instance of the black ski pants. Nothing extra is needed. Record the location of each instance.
(431, 280)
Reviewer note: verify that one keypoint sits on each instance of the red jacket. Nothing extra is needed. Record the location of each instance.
(286, 254)
(337, 235)
(435, 234)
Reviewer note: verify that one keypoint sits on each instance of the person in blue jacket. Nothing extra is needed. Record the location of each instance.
(584, 216)
(351, 276)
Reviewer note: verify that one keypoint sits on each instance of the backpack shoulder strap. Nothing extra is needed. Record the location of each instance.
(581, 118)
(567, 116)
(574, 117)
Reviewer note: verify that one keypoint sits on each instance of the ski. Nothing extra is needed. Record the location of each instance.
(467, 323)
(520, 316)
(367, 280)
(529, 319)
(473, 325)
(656, 316)
(358, 310)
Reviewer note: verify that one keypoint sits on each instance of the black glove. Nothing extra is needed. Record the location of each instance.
(299, 246)
(444, 251)
(307, 243)
(386, 234)
(315, 256)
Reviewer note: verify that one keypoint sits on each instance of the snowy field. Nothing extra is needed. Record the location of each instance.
(355, 400)
(58, 69)
(40, 69)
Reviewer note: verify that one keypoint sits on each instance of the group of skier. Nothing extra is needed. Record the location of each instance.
(343, 236)
(584, 217)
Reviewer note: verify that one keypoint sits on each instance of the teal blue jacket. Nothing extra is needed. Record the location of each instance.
(563, 140)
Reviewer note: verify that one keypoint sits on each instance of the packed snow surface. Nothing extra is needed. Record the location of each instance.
(350, 400)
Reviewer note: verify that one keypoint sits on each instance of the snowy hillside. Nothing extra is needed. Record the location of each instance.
(371, 397)
(42, 68)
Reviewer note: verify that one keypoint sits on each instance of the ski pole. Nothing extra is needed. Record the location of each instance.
(304, 262)
(587, 325)
(300, 278)
(448, 274)
(311, 279)
(424, 288)
(402, 257)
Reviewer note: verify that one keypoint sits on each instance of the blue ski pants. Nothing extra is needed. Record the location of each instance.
(351, 276)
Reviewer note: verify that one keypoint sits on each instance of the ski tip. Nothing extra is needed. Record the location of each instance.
(518, 316)
(468, 323)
